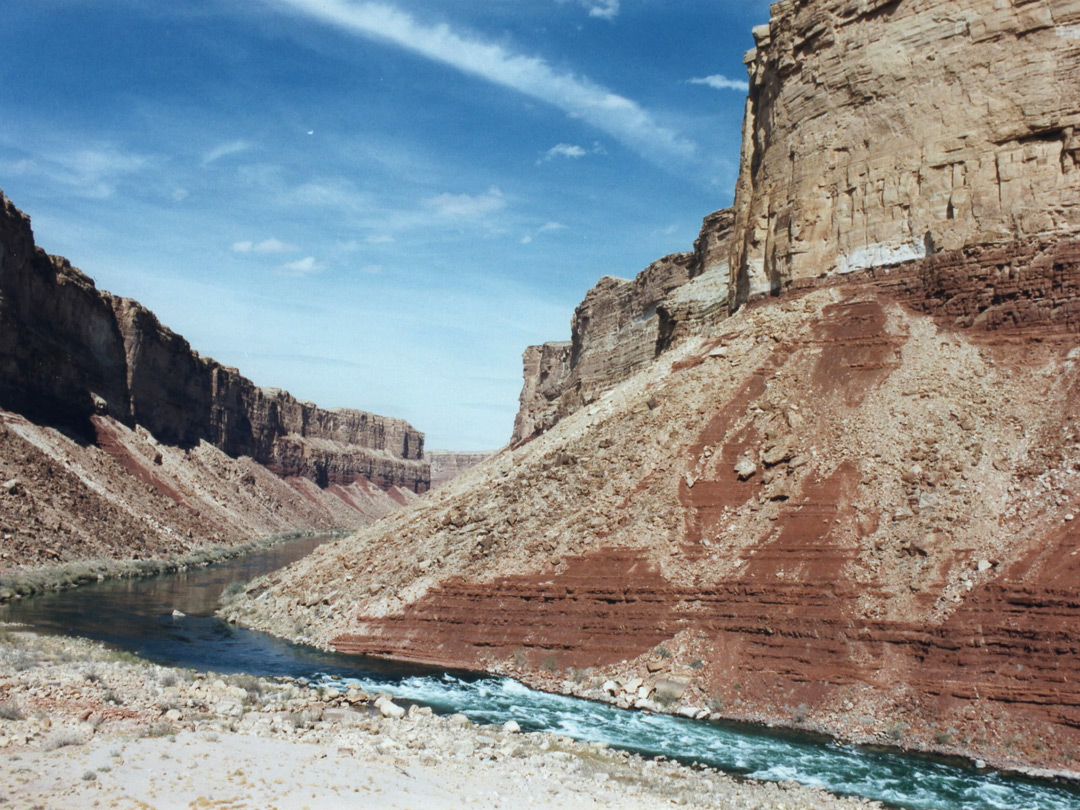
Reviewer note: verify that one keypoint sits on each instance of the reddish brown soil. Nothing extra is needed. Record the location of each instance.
(899, 566)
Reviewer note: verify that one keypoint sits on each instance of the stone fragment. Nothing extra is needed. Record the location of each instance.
(745, 469)
(670, 689)
(387, 708)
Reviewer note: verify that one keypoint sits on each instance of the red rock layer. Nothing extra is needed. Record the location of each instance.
(897, 562)
(596, 609)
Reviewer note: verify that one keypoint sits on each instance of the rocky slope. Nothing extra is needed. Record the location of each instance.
(118, 440)
(843, 512)
(849, 506)
(69, 351)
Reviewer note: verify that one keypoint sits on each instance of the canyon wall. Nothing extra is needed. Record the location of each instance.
(881, 131)
(851, 506)
(446, 465)
(69, 352)
(623, 325)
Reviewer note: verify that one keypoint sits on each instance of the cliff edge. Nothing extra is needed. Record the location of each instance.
(117, 439)
(840, 493)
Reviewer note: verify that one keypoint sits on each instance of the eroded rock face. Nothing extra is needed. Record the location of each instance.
(69, 351)
(446, 465)
(623, 325)
(841, 511)
(881, 131)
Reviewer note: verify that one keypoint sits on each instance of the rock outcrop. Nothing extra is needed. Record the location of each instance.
(880, 131)
(850, 506)
(446, 465)
(118, 440)
(841, 512)
(623, 325)
(69, 351)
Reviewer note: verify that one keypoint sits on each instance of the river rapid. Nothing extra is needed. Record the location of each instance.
(142, 616)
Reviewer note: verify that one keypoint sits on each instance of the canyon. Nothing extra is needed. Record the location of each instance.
(117, 440)
(821, 471)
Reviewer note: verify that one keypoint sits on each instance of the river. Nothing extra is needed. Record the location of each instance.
(138, 615)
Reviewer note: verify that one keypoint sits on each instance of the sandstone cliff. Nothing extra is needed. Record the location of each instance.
(881, 131)
(842, 511)
(623, 325)
(118, 440)
(851, 505)
(69, 351)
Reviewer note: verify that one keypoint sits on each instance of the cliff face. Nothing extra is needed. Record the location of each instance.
(882, 131)
(849, 509)
(446, 465)
(623, 325)
(851, 505)
(69, 351)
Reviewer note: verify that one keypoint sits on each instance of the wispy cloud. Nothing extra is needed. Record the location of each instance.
(267, 246)
(467, 206)
(225, 150)
(547, 227)
(301, 267)
(578, 96)
(564, 150)
(569, 150)
(605, 9)
(86, 172)
(718, 82)
(380, 239)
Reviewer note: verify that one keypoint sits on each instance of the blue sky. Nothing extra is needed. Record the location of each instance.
(372, 205)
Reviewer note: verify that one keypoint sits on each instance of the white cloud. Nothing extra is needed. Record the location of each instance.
(467, 206)
(225, 150)
(547, 227)
(267, 246)
(87, 172)
(718, 82)
(565, 150)
(301, 267)
(533, 76)
(569, 150)
(605, 9)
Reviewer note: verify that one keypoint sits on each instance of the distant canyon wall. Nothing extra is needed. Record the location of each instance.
(446, 465)
(623, 325)
(69, 351)
(884, 131)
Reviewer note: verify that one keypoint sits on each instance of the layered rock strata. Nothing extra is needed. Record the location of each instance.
(881, 131)
(69, 351)
(851, 507)
(847, 511)
(623, 325)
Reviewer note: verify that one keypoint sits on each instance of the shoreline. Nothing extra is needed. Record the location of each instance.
(547, 683)
(81, 723)
(22, 581)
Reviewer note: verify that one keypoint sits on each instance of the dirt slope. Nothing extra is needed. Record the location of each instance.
(839, 512)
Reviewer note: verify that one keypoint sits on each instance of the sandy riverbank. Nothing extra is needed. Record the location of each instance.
(84, 726)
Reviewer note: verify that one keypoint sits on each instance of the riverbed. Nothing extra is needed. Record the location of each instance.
(170, 620)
